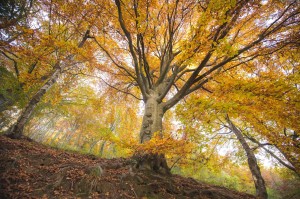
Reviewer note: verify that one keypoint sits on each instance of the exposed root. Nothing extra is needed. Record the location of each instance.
(152, 162)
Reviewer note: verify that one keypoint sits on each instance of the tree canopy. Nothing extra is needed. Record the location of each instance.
(78, 72)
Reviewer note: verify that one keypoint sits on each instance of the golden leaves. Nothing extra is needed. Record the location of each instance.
(166, 145)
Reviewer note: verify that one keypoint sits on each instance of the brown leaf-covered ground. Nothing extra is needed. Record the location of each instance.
(32, 170)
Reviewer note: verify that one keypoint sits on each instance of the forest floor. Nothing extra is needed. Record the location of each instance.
(32, 170)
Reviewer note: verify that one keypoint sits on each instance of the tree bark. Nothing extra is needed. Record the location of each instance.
(152, 123)
(261, 191)
(152, 120)
(152, 162)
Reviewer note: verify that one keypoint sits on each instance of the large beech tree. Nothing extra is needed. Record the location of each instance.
(162, 51)
(172, 48)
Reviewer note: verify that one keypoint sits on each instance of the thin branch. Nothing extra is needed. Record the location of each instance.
(111, 86)
(114, 62)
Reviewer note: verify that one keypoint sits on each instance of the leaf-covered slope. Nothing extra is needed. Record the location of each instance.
(31, 170)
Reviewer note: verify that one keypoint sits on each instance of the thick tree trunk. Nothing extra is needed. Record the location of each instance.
(261, 191)
(152, 120)
(152, 162)
(152, 123)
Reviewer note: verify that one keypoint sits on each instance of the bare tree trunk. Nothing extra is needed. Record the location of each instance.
(261, 191)
(152, 123)
(16, 131)
(152, 120)
(102, 148)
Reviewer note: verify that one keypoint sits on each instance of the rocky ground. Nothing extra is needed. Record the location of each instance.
(32, 170)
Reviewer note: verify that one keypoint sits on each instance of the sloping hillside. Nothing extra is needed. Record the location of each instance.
(31, 170)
